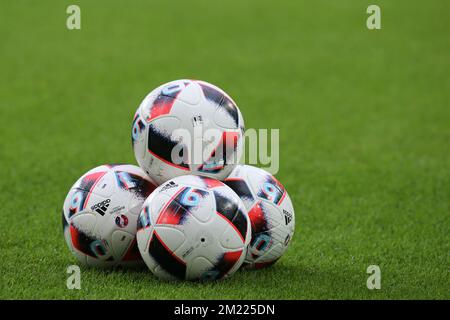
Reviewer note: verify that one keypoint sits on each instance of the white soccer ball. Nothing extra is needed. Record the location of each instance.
(270, 211)
(187, 127)
(100, 215)
(193, 228)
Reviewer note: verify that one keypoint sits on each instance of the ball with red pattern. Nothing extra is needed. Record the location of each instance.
(270, 211)
(100, 215)
(187, 127)
(193, 228)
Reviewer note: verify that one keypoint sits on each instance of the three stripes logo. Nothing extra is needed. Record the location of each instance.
(169, 185)
(287, 217)
(101, 207)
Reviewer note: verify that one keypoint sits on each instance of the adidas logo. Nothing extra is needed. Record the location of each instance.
(287, 217)
(101, 207)
(169, 185)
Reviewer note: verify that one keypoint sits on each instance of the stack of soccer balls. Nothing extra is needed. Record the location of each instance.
(189, 211)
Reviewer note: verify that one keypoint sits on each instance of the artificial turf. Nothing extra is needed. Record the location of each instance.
(364, 120)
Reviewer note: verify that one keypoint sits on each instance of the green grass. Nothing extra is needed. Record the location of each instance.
(363, 118)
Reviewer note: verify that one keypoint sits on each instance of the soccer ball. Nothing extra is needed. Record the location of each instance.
(270, 211)
(187, 127)
(193, 228)
(100, 215)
